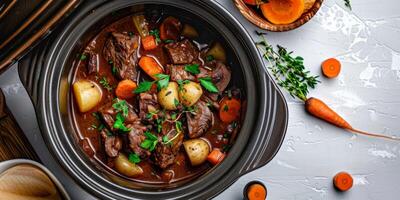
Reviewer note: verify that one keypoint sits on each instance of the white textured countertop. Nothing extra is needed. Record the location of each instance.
(367, 94)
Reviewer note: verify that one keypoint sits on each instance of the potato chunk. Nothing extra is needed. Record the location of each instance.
(197, 150)
(87, 94)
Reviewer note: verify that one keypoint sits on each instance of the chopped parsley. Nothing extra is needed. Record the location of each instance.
(119, 123)
(168, 41)
(150, 142)
(208, 84)
(178, 126)
(162, 81)
(104, 82)
(143, 87)
(226, 108)
(150, 115)
(83, 57)
(156, 34)
(121, 106)
(181, 83)
(210, 58)
(193, 69)
(176, 102)
(134, 158)
(96, 115)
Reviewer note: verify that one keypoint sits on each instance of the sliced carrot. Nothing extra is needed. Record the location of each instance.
(150, 66)
(229, 109)
(149, 43)
(256, 191)
(282, 11)
(125, 89)
(216, 156)
(343, 181)
(331, 68)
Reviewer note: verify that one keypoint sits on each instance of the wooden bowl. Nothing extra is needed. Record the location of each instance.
(259, 20)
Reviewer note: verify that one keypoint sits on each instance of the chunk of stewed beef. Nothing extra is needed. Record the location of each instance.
(112, 144)
(148, 106)
(183, 52)
(136, 137)
(219, 73)
(120, 50)
(200, 121)
(178, 72)
(108, 114)
(166, 151)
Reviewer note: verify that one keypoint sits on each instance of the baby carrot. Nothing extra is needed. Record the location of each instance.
(343, 181)
(216, 156)
(331, 68)
(319, 109)
(125, 89)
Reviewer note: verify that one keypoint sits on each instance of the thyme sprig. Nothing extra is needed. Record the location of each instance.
(347, 4)
(288, 70)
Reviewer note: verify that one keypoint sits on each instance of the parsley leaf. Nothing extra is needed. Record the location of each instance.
(193, 68)
(208, 84)
(144, 87)
(226, 108)
(150, 136)
(119, 123)
(83, 57)
(104, 82)
(150, 142)
(121, 106)
(134, 158)
(165, 139)
(178, 126)
(156, 34)
(210, 58)
(162, 81)
(168, 41)
(176, 102)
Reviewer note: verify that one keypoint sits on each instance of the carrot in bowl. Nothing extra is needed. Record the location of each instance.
(256, 191)
(343, 181)
(229, 109)
(331, 68)
(282, 11)
(150, 66)
(125, 89)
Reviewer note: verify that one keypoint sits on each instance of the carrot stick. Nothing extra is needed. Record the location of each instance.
(149, 43)
(125, 89)
(150, 66)
(216, 156)
(319, 109)
(331, 68)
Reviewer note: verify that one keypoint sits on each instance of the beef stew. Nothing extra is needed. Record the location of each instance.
(167, 130)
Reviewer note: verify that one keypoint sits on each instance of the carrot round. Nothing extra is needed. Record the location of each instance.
(229, 109)
(149, 43)
(282, 11)
(150, 66)
(125, 89)
(256, 191)
(331, 68)
(216, 156)
(343, 181)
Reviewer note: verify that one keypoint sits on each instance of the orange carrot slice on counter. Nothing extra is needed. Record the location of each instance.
(282, 11)
(331, 68)
(125, 89)
(150, 66)
(343, 181)
(256, 192)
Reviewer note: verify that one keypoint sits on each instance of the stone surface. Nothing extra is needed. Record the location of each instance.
(367, 94)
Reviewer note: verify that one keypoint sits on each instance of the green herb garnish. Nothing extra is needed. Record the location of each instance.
(119, 123)
(226, 108)
(208, 84)
(83, 57)
(193, 68)
(104, 82)
(210, 58)
(134, 158)
(156, 34)
(150, 142)
(168, 41)
(347, 4)
(143, 87)
(288, 70)
(162, 81)
(121, 106)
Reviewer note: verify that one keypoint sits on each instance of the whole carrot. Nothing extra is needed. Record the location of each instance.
(290, 73)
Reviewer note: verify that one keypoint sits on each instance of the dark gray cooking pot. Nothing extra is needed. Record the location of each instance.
(48, 78)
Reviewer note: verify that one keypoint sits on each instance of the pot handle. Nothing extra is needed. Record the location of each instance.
(268, 145)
